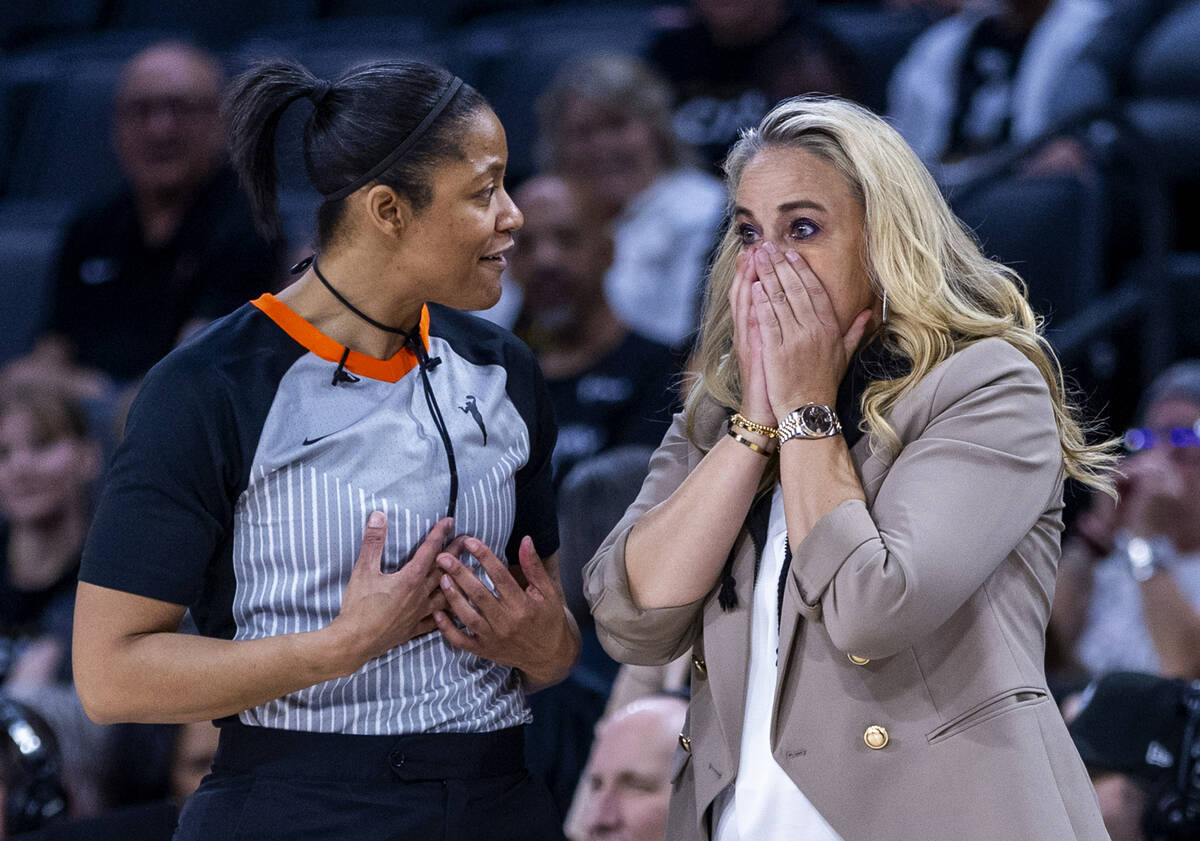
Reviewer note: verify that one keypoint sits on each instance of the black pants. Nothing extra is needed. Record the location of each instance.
(276, 784)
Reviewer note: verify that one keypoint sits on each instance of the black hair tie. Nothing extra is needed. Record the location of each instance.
(448, 93)
(320, 90)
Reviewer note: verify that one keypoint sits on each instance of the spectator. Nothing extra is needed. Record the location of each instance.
(988, 77)
(175, 249)
(1128, 594)
(1137, 734)
(47, 465)
(609, 385)
(606, 120)
(628, 779)
(737, 58)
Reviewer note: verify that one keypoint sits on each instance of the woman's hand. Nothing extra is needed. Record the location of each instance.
(381, 610)
(805, 353)
(747, 343)
(527, 627)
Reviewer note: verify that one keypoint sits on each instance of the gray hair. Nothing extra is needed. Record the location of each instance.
(621, 82)
(1180, 381)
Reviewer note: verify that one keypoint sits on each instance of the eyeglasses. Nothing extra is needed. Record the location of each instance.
(1136, 440)
(141, 109)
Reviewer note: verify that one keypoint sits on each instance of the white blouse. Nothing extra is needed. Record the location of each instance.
(762, 803)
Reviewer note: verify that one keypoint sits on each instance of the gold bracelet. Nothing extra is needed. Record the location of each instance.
(750, 426)
(762, 451)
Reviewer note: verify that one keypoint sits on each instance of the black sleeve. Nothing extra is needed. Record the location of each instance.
(167, 503)
(537, 508)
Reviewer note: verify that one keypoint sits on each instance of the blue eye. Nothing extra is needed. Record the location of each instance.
(803, 228)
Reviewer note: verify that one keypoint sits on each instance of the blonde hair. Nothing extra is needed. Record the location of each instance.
(942, 293)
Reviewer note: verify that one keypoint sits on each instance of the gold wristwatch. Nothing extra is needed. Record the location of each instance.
(812, 420)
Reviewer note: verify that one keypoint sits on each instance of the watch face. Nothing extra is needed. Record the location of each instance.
(818, 419)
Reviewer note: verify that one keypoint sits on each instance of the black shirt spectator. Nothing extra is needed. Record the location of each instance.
(123, 302)
(626, 396)
(609, 385)
(176, 249)
(737, 59)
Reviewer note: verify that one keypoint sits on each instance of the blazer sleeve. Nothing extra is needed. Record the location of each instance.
(643, 637)
(956, 502)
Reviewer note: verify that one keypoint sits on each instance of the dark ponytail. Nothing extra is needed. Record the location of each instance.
(357, 121)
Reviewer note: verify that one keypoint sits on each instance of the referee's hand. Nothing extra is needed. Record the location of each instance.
(527, 627)
(381, 610)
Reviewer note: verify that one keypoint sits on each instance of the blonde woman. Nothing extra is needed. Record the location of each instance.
(855, 523)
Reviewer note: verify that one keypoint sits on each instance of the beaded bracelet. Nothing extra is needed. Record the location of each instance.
(750, 426)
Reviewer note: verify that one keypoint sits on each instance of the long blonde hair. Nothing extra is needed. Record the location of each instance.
(942, 293)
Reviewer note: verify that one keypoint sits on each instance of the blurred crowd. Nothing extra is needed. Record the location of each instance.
(1063, 131)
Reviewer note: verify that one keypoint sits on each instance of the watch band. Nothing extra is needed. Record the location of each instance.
(812, 420)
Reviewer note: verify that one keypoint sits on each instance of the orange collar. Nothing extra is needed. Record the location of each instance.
(387, 370)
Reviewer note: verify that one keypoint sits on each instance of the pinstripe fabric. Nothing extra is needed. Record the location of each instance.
(299, 524)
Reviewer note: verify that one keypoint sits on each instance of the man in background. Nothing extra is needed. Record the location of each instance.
(627, 785)
(175, 249)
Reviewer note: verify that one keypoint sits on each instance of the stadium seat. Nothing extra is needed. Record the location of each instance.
(515, 55)
(27, 253)
(216, 23)
(64, 148)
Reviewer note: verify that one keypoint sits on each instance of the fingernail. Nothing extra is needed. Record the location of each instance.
(769, 247)
(792, 256)
(446, 581)
(763, 258)
(438, 616)
(376, 519)
(444, 562)
(450, 524)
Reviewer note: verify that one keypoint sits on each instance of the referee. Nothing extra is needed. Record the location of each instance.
(348, 485)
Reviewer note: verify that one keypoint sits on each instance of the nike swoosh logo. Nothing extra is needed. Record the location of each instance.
(308, 441)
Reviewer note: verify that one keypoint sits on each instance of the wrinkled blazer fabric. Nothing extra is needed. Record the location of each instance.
(942, 581)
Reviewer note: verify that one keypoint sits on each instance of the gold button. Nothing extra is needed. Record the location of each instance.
(876, 737)
(685, 743)
(700, 665)
(858, 661)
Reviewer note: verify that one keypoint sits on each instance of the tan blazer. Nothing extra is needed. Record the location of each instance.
(911, 702)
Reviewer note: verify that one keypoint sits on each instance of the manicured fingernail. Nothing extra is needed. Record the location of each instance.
(763, 258)
(446, 582)
(792, 256)
(376, 519)
(769, 247)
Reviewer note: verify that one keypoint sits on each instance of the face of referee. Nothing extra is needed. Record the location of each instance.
(457, 246)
